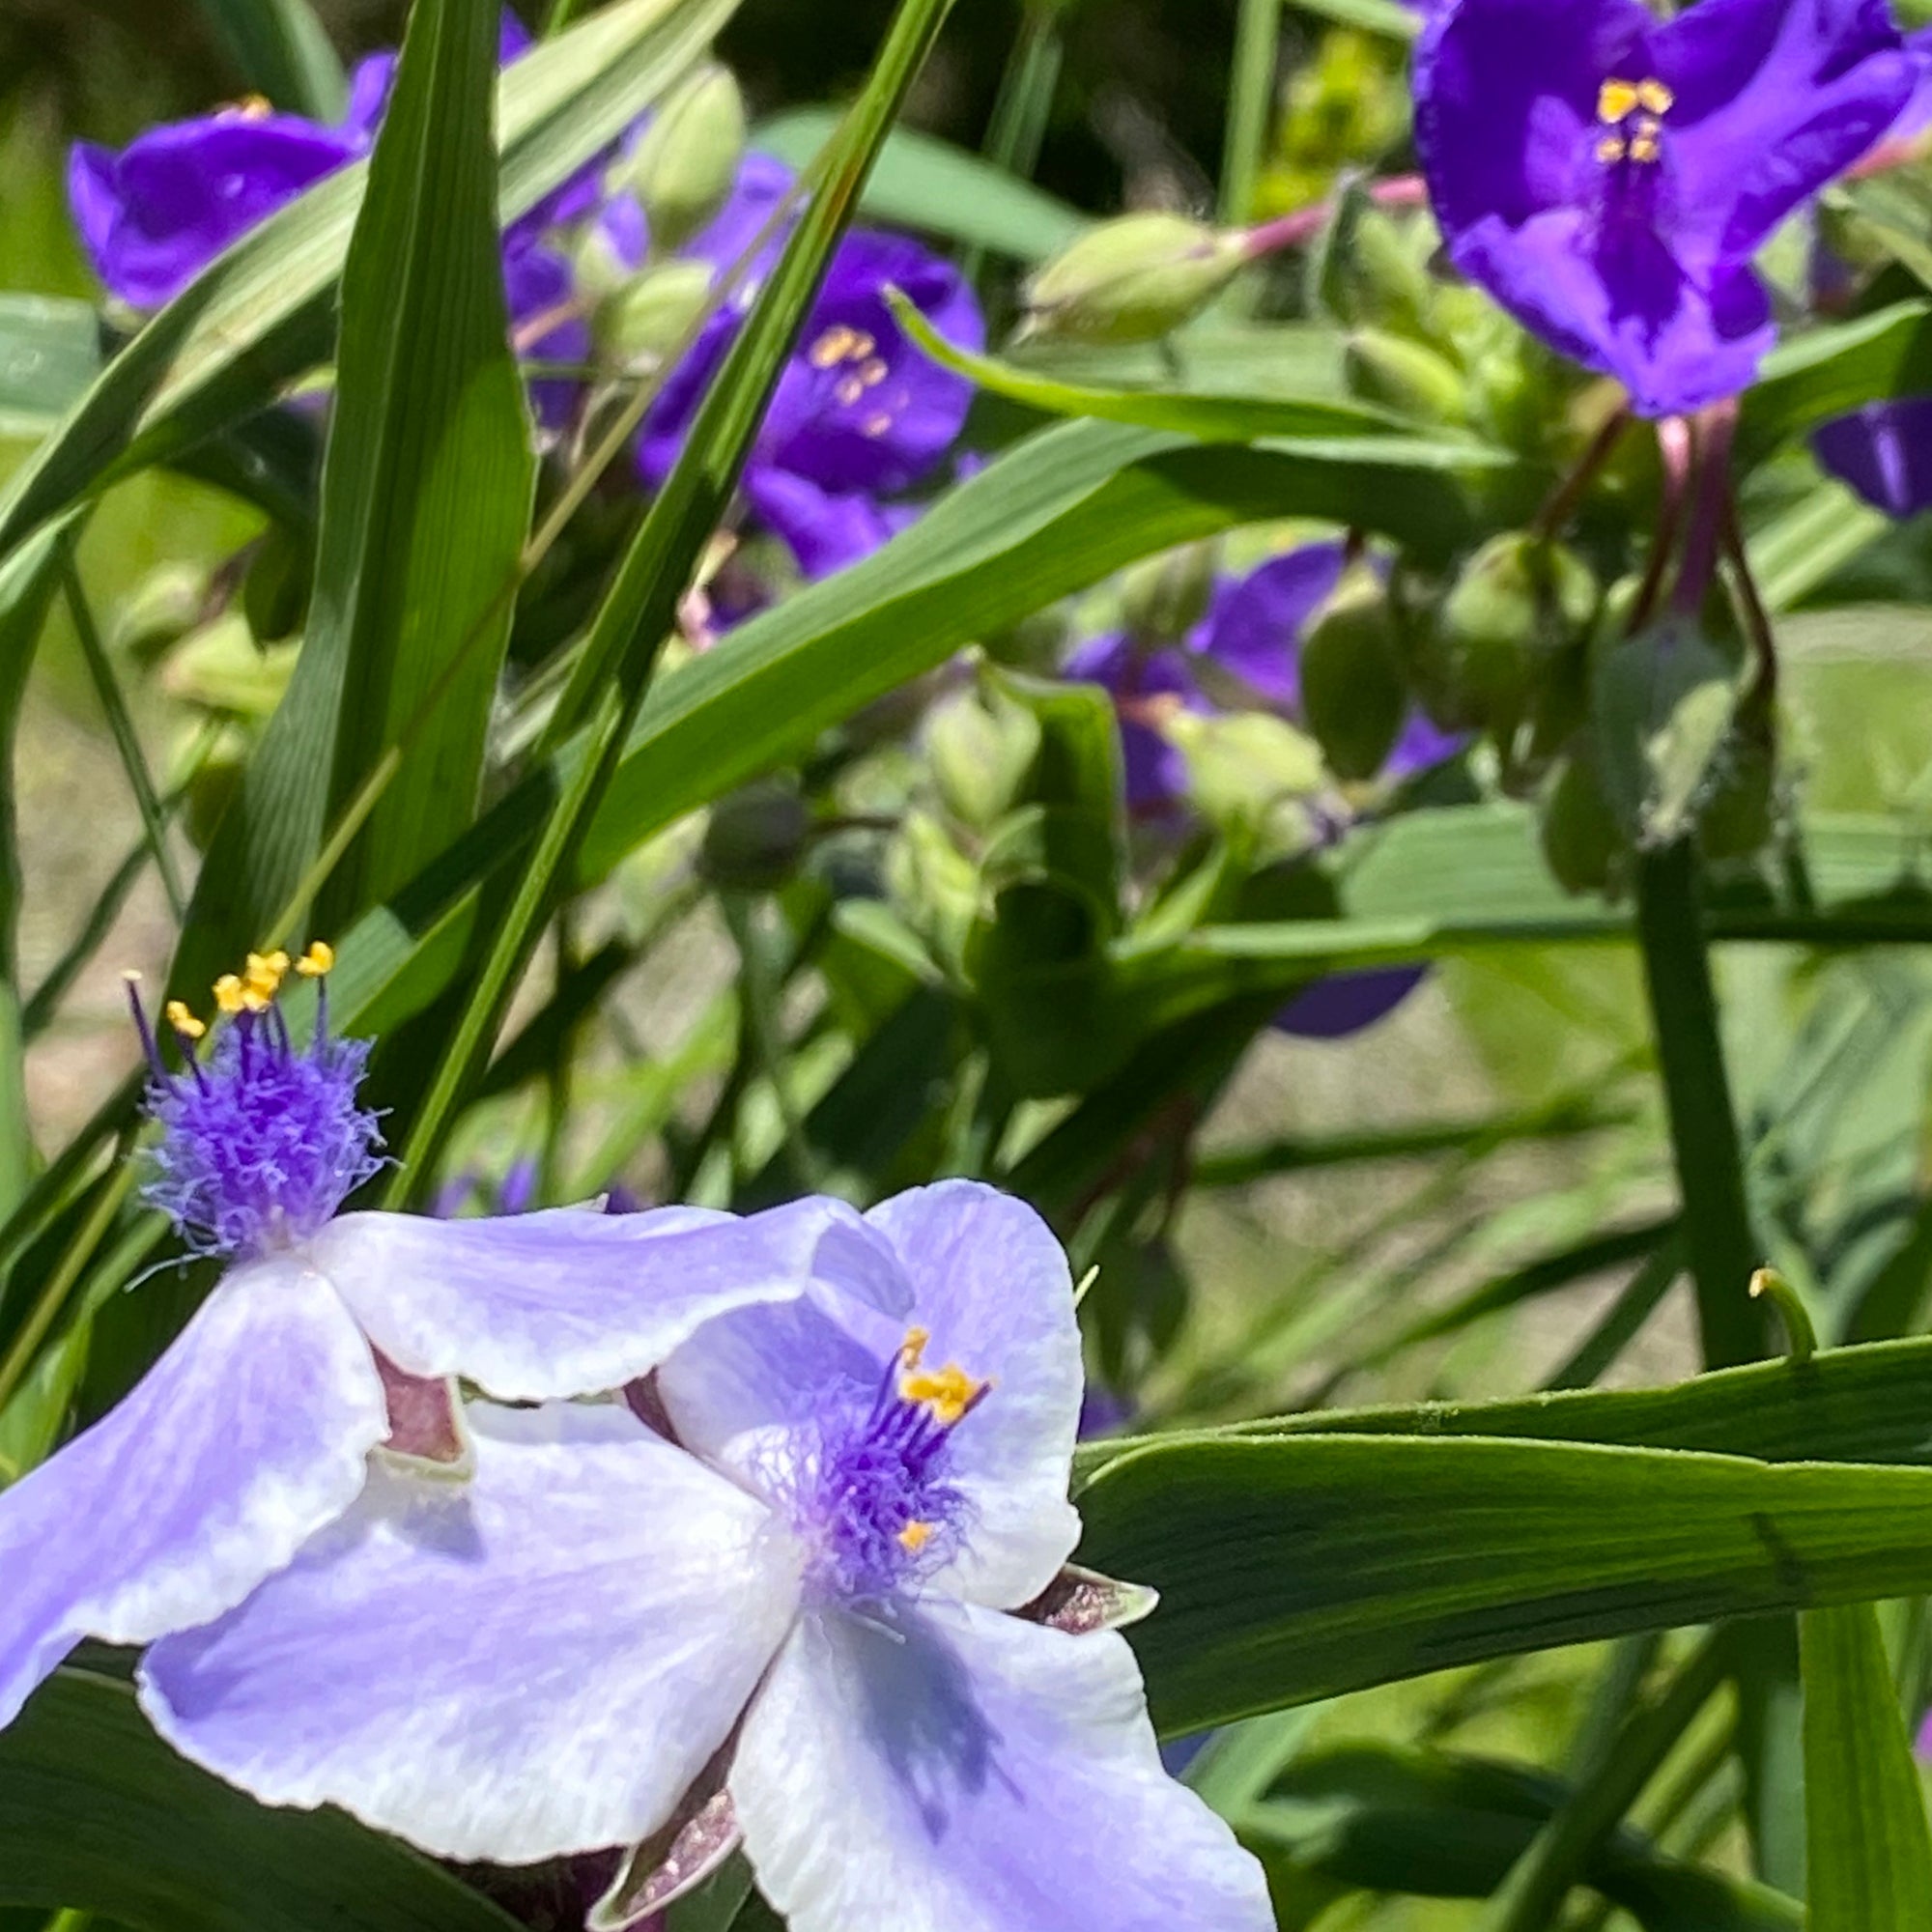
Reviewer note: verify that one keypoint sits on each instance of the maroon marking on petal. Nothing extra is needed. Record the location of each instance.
(423, 1419)
(671, 1862)
(643, 1399)
(1080, 1602)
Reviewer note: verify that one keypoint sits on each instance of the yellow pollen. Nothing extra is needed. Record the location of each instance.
(1617, 100)
(229, 993)
(913, 1346)
(1612, 148)
(183, 1020)
(317, 960)
(849, 390)
(873, 372)
(948, 1393)
(876, 425)
(915, 1536)
(863, 345)
(1644, 148)
(831, 348)
(1654, 98)
(254, 107)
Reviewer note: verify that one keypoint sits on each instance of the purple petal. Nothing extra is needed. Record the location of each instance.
(155, 215)
(762, 183)
(1885, 452)
(566, 1301)
(249, 1435)
(1423, 743)
(824, 530)
(1254, 627)
(369, 88)
(1775, 98)
(537, 283)
(965, 1771)
(1155, 768)
(535, 1662)
(1346, 1003)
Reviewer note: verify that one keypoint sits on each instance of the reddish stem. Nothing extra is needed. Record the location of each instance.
(1673, 449)
(1304, 224)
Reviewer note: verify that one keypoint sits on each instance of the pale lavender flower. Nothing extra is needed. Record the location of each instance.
(333, 1335)
(812, 1574)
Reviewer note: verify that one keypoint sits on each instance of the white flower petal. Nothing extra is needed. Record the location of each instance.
(537, 1662)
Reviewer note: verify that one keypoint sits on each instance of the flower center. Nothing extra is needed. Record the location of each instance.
(849, 358)
(260, 1143)
(1629, 121)
(874, 1505)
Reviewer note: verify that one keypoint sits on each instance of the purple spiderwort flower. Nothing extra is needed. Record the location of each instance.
(1885, 452)
(859, 415)
(332, 1335)
(1607, 177)
(812, 1572)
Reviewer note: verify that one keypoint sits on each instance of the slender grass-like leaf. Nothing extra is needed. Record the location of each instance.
(1306, 1566)
(283, 52)
(425, 500)
(1869, 1854)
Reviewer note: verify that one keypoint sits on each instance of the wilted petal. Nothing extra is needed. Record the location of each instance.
(537, 1662)
(965, 1771)
(247, 1437)
(565, 1301)
(991, 1285)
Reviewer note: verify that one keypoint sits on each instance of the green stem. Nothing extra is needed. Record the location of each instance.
(1250, 103)
(1022, 108)
(107, 688)
(1718, 1234)
(1534, 1892)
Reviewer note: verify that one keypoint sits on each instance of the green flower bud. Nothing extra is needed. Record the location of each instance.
(167, 604)
(755, 837)
(1134, 279)
(1353, 694)
(684, 167)
(1518, 605)
(223, 670)
(644, 324)
(1406, 376)
(1581, 842)
(1739, 815)
(1164, 597)
(981, 751)
(1388, 270)
(1245, 767)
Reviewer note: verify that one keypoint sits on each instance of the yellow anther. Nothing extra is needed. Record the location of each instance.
(1617, 100)
(230, 995)
(948, 1393)
(183, 1020)
(1654, 98)
(1644, 148)
(913, 1346)
(833, 347)
(317, 960)
(1612, 148)
(915, 1536)
(254, 107)
(863, 345)
(850, 390)
(873, 372)
(876, 425)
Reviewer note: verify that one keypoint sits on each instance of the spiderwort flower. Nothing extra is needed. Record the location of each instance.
(859, 415)
(1607, 177)
(819, 1580)
(333, 1335)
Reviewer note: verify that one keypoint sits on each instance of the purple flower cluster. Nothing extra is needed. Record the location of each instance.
(1608, 176)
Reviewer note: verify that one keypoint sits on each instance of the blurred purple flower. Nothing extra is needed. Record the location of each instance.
(1607, 177)
(1143, 684)
(816, 1574)
(1885, 452)
(859, 415)
(331, 1336)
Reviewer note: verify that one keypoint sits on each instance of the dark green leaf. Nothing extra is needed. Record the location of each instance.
(282, 52)
(1870, 1855)
(97, 1813)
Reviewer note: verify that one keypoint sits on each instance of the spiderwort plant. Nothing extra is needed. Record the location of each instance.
(333, 1335)
(811, 1567)
(1607, 177)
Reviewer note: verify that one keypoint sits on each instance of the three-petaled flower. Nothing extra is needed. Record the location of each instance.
(1607, 177)
(332, 1336)
(807, 1571)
